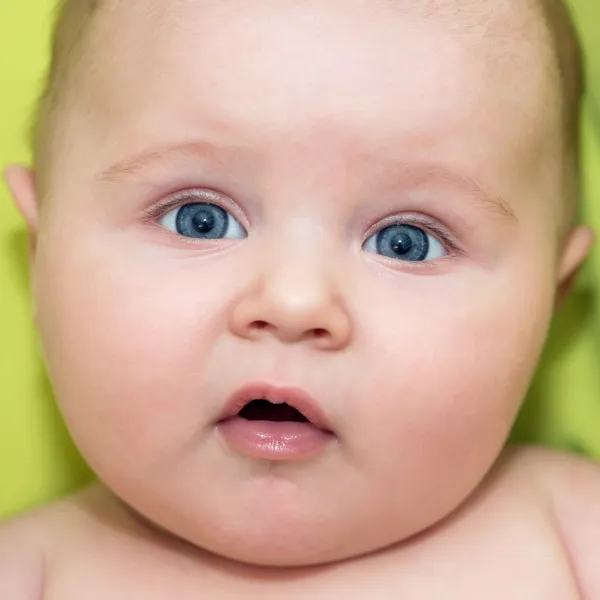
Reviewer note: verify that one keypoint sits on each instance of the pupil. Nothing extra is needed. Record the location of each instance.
(401, 243)
(203, 221)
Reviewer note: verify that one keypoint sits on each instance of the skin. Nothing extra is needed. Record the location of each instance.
(314, 128)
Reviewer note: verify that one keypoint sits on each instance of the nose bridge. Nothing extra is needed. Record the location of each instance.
(298, 281)
(300, 252)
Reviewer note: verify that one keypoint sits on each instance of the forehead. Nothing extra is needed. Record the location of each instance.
(491, 24)
(421, 71)
(487, 14)
(499, 21)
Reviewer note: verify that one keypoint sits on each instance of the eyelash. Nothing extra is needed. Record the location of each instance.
(178, 200)
(428, 224)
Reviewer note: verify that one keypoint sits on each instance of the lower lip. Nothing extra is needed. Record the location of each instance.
(271, 440)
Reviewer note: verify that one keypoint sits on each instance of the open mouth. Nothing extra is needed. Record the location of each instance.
(263, 410)
(274, 423)
(261, 402)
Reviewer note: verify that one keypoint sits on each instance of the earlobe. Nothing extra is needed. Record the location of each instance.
(578, 244)
(21, 183)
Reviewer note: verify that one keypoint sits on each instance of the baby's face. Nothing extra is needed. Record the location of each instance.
(347, 206)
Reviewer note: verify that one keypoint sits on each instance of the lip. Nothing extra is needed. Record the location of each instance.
(275, 440)
(293, 396)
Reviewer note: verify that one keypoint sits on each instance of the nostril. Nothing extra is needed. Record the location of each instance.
(288, 333)
(319, 333)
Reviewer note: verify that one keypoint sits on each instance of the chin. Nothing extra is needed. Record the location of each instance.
(284, 546)
(289, 544)
(283, 553)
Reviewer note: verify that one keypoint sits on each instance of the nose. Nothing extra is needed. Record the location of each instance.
(294, 305)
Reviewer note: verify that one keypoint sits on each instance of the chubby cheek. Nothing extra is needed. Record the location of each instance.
(126, 338)
(445, 378)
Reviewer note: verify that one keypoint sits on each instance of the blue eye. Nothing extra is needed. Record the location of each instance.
(202, 220)
(405, 242)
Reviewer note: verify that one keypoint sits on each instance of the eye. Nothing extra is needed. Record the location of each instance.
(202, 220)
(405, 242)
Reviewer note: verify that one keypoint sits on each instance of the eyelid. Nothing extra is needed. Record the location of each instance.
(430, 225)
(191, 196)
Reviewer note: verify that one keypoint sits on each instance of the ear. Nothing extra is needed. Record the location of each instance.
(21, 183)
(576, 248)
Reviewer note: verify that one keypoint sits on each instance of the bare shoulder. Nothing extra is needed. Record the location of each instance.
(26, 544)
(572, 484)
(565, 477)
(21, 559)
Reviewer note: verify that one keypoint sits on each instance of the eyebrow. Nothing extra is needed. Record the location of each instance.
(483, 194)
(132, 166)
(415, 175)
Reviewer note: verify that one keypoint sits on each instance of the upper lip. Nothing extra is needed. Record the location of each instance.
(295, 397)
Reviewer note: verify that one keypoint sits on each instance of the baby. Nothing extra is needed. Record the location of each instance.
(294, 263)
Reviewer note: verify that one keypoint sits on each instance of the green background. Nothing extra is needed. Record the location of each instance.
(37, 460)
